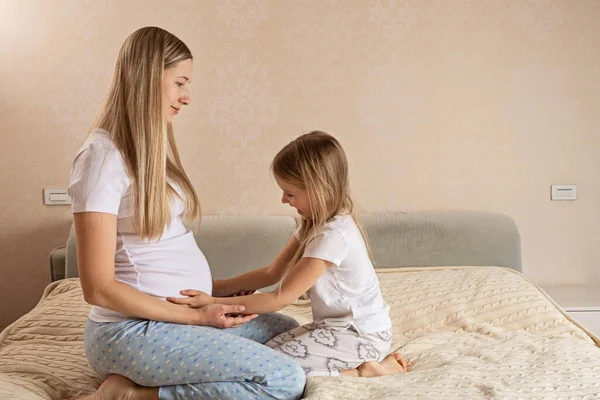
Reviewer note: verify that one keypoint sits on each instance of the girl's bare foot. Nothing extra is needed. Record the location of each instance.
(391, 365)
(117, 387)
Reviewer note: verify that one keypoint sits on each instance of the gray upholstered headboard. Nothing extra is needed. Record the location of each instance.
(234, 244)
(443, 238)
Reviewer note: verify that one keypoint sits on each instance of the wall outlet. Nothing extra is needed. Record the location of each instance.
(564, 192)
(56, 197)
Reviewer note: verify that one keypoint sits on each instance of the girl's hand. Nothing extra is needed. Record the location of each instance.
(220, 289)
(220, 316)
(195, 299)
(242, 293)
(221, 293)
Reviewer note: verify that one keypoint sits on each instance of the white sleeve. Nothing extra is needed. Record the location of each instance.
(98, 179)
(329, 245)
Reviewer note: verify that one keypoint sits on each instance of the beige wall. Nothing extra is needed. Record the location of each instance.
(441, 104)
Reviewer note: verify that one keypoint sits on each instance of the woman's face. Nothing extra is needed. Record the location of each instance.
(175, 88)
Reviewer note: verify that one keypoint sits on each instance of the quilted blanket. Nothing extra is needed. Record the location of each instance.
(469, 333)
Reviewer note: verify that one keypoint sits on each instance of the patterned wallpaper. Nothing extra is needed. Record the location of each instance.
(440, 104)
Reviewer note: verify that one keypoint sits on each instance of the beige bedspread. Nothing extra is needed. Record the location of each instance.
(469, 332)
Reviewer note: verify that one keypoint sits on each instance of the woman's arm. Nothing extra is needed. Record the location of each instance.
(96, 246)
(258, 278)
(302, 276)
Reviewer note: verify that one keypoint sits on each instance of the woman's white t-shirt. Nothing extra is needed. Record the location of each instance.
(349, 292)
(160, 268)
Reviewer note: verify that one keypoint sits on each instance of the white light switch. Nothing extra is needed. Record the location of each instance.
(53, 197)
(564, 192)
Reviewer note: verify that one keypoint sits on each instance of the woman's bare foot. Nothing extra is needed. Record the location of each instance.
(391, 365)
(117, 387)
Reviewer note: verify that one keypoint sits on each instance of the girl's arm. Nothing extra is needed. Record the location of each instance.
(258, 278)
(96, 246)
(302, 276)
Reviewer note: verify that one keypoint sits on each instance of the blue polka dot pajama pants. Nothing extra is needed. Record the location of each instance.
(197, 362)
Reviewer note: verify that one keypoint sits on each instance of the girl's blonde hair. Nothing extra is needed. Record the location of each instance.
(133, 116)
(316, 162)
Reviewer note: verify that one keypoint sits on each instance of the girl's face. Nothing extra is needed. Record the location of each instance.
(296, 197)
(175, 88)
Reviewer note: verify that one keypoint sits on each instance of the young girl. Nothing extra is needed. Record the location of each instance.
(328, 257)
(130, 194)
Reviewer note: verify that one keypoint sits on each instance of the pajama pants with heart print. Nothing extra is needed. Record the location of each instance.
(323, 350)
(197, 362)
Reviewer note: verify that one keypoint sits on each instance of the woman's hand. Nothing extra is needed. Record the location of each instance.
(195, 299)
(221, 316)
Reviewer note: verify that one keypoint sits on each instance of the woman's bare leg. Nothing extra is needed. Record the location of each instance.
(117, 387)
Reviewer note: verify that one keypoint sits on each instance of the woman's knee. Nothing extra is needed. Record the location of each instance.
(292, 384)
(300, 381)
(282, 323)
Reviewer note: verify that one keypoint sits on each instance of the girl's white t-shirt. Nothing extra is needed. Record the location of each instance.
(160, 268)
(349, 292)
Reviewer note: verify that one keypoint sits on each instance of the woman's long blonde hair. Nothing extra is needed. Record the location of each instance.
(132, 115)
(316, 162)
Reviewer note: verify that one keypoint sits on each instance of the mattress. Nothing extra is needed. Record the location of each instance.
(468, 332)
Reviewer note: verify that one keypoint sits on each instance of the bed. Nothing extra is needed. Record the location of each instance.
(471, 324)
